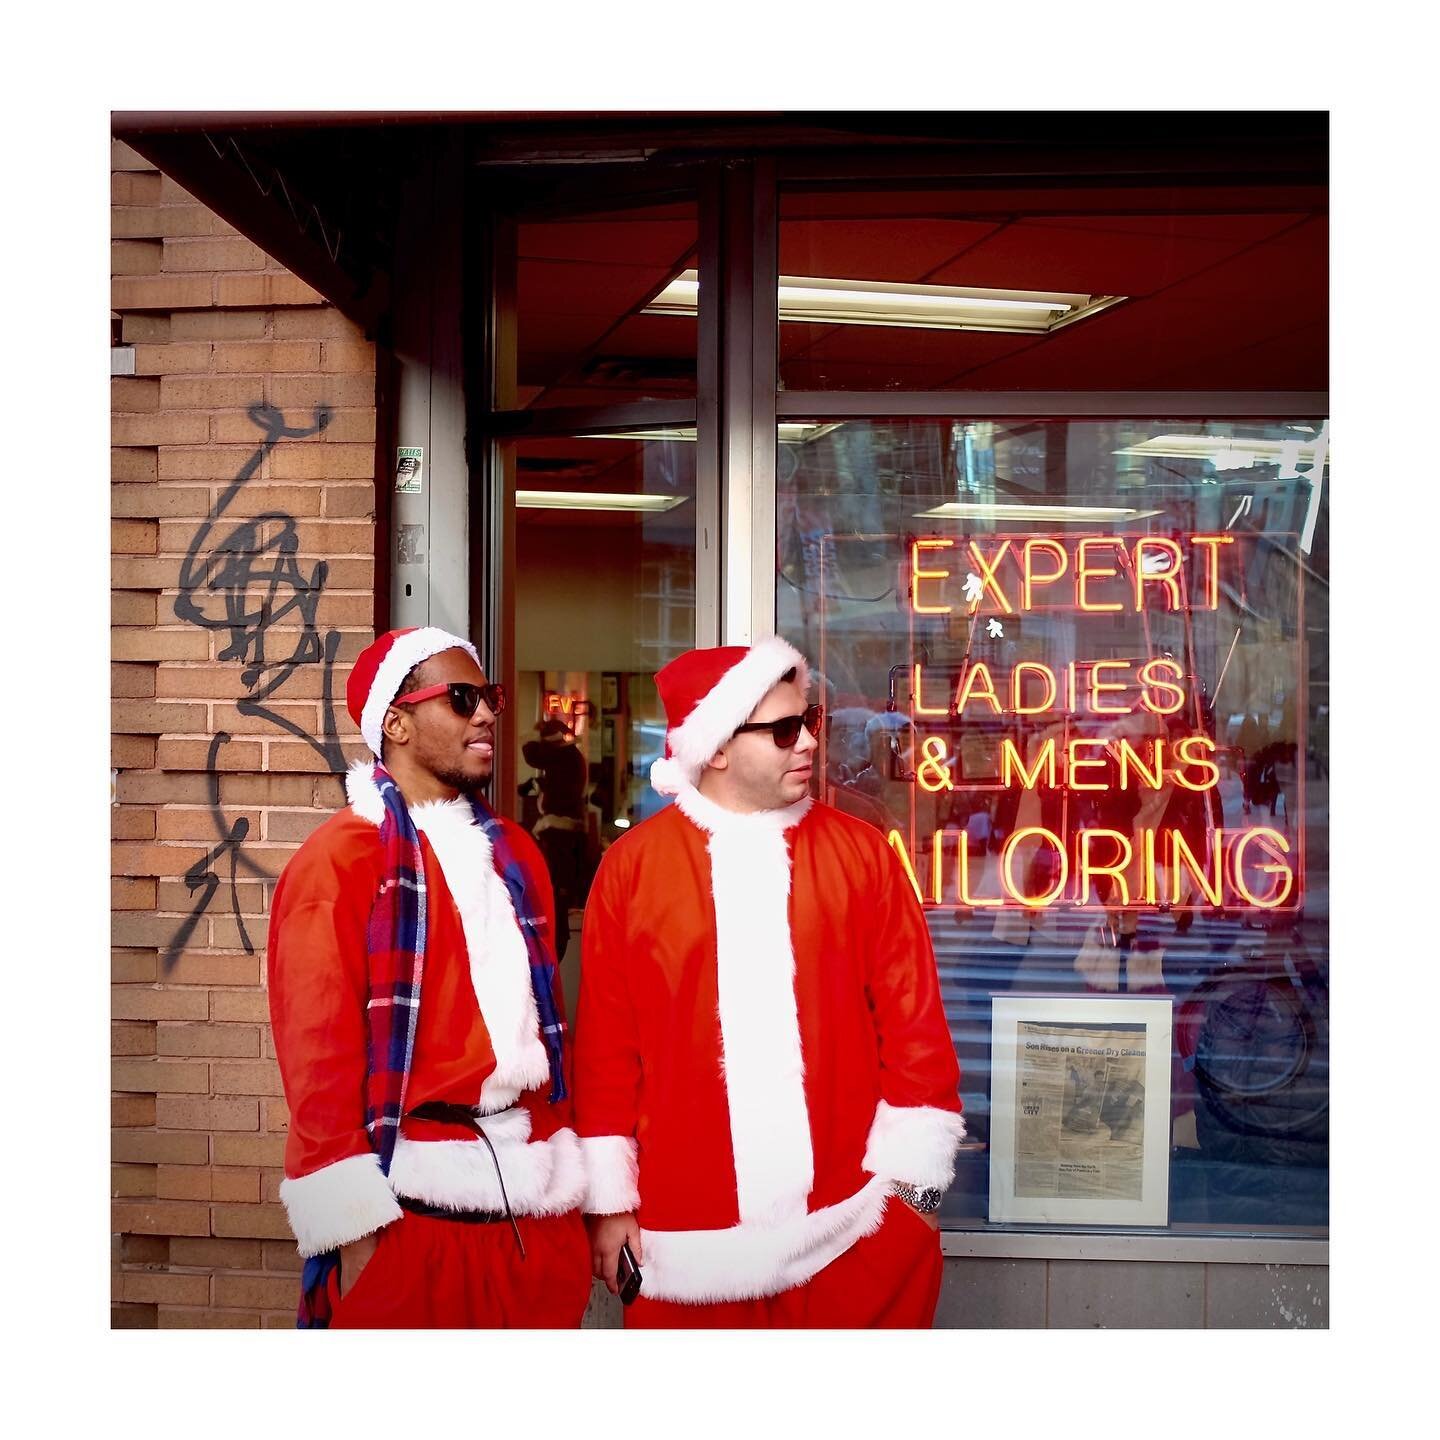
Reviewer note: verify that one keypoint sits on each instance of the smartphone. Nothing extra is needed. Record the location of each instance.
(627, 1275)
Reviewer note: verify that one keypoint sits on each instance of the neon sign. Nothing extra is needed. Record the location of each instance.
(1062, 691)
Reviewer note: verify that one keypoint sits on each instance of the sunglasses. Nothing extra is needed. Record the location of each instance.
(786, 732)
(464, 698)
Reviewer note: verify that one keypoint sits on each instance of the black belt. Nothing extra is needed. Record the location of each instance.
(448, 1114)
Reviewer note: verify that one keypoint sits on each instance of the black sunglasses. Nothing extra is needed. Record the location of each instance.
(786, 732)
(464, 698)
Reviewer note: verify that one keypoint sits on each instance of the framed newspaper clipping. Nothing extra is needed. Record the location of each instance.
(1080, 1109)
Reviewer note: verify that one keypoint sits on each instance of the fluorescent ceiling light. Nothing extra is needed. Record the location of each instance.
(967, 510)
(920, 307)
(789, 432)
(1227, 452)
(594, 500)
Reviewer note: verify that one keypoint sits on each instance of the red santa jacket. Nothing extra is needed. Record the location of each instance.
(760, 1044)
(477, 1039)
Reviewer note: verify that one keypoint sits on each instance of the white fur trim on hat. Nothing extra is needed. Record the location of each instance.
(404, 655)
(728, 705)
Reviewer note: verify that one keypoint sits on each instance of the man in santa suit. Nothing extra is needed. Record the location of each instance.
(432, 1172)
(766, 1088)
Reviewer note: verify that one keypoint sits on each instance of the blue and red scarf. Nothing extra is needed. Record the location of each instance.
(395, 942)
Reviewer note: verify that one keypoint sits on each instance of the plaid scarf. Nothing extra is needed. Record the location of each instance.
(395, 942)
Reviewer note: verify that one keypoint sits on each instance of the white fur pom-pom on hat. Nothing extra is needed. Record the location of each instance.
(708, 694)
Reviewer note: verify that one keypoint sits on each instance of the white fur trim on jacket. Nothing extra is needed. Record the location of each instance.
(764, 1069)
(341, 1202)
(405, 654)
(612, 1174)
(728, 705)
(499, 961)
(914, 1143)
(542, 1177)
(749, 1260)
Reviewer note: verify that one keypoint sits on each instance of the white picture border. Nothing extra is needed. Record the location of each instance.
(1157, 1014)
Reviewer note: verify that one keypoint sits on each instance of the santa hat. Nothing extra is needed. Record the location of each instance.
(381, 670)
(708, 695)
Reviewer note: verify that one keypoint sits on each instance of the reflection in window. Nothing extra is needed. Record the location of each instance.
(1076, 672)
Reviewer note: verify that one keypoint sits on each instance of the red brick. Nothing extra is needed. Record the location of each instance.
(285, 756)
(240, 1041)
(282, 1256)
(135, 967)
(152, 1002)
(219, 1254)
(171, 359)
(173, 193)
(161, 1077)
(133, 1317)
(133, 537)
(257, 1150)
(123, 157)
(323, 462)
(318, 323)
(255, 1292)
(165, 221)
(165, 1289)
(129, 823)
(190, 643)
(132, 1039)
(277, 1115)
(283, 355)
(133, 1182)
(219, 325)
(182, 1182)
(178, 427)
(225, 930)
(144, 329)
(158, 501)
(334, 537)
(132, 752)
(130, 394)
(134, 257)
(151, 1250)
(264, 290)
(135, 188)
(129, 465)
(194, 968)
(133, 607)
(200, 682)
(262, 1222)
(270, 1182)
(148, 717)
(194, 755)
(162, 292)
(216, 462)
(329, 793)
(160, 1217)
(345, 355)
(212, 392)
(136, 221)
(266, 789)
(158, 1148)
(186, 1113)
(132, 894)
(132, 682)
(131, 1110)
(350, 500)
(305, 391)
(254, 1077)
(161, 788)
(136, 859)
(239, 1005)
(231, 253)
(293, 825)
(143, 573)
(175, 897)
(174, 1318)
(240, 1187)
(228, 718)
(336, 610)
(186, 823)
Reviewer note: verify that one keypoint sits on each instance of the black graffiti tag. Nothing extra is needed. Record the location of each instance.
(254, 592)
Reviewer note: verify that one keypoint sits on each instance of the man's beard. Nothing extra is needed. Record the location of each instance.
(458, 780)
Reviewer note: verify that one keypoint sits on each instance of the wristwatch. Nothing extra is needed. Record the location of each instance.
(924, 1198)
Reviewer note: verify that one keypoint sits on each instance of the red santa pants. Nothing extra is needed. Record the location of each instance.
(433, 1274)
(888, 1281)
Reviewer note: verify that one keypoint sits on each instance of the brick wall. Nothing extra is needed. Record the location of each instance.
(242, 589)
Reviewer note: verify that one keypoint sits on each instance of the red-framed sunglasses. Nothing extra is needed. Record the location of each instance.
(785, 732)
(464, 698)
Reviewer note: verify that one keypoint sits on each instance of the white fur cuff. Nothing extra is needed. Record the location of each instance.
(343, 1202)
(914, 1143)
(612, 1174)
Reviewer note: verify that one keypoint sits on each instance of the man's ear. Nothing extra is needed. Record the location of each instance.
(718, 761)
(395, 727)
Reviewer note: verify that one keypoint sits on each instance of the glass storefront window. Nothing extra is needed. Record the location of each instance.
(1077, 672)
(584, 280)
(1100, 288)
